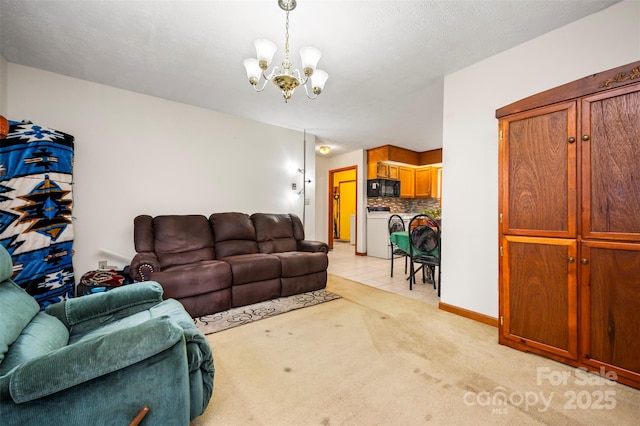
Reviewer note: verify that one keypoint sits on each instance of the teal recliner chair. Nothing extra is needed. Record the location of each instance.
(100, 359)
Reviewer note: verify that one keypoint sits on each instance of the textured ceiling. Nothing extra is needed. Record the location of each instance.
(386, 59)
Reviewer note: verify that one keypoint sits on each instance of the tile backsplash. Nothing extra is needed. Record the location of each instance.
(403, 205)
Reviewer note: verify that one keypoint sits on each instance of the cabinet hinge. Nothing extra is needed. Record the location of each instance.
(501, 320)
(501, 251)
(501, 134)
(500, 218)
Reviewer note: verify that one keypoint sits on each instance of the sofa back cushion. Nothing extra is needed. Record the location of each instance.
(274, 232)
(234, 234)
(43, 334)
(17, 309)
(6, 264)
(182, 239)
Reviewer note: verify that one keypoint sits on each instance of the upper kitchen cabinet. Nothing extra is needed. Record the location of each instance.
(395, 154)
(419, 173)
(383, 171)
(423, 182)
(407, 182)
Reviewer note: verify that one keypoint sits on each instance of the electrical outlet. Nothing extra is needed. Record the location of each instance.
(294, 186)
(102, 264)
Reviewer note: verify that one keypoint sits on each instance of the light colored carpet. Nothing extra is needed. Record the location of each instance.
(376, 358)
(258, 311)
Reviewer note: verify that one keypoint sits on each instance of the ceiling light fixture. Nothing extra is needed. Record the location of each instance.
(286, 79)
(324, 149)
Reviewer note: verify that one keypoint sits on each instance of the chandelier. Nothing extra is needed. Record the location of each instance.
(286, 78)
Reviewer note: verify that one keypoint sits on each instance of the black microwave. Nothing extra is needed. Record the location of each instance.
(383, 188)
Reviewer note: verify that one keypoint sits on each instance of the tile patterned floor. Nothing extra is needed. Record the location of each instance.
(376, 272)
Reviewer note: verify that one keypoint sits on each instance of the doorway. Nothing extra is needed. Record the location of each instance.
(343, 184)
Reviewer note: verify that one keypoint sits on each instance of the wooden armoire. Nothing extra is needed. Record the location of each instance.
(569, 223)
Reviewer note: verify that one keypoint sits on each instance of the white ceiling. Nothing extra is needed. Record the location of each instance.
(386, 59)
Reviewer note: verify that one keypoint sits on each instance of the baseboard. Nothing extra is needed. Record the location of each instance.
(485, 319)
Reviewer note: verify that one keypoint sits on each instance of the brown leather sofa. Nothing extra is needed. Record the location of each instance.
(228, 260)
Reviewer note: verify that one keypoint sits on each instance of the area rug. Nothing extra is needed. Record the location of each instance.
(250, 313)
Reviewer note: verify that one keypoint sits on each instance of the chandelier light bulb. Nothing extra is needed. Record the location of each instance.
(310, 57)
(318, 80)
(265, 49)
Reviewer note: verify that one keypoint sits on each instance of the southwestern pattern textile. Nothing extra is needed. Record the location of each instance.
(36, 165)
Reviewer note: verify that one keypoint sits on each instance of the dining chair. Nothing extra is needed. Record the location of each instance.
(396, 224)
(424, 249)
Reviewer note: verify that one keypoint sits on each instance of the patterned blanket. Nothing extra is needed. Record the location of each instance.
(36, 165)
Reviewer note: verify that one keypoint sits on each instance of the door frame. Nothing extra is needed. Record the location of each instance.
(330, 204)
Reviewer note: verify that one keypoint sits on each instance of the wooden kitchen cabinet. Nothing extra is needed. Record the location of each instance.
(569, 231)
(436, 182)
(382, 170)
(423, 181)
(393, 172)
(407, 178)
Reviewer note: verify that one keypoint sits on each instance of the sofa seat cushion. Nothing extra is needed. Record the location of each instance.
(42, 335)
(296, 263)
(248, 268)
(194, 279)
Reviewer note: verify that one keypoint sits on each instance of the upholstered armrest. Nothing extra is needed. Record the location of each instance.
(69, 366)
(117, 303)
(313, 246)
(143, 264)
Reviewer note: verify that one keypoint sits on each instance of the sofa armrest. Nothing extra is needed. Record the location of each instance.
(63, 369)
(142, 265)
(313, 246)
(119, 302)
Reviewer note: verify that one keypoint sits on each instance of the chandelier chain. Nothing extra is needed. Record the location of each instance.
(286, 39)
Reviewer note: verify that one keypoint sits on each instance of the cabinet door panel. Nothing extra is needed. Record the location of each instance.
(383, 170)
(610, 291)
(393, 172)
(406, 175)
(538, 175)
(423, 182)
(539, 294)
(611, 165)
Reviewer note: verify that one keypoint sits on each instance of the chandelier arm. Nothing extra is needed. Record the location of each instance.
(300, 76)
(273, 72)
(306, 91)
(264, 84)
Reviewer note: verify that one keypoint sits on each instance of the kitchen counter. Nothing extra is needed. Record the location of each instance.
(378, 232)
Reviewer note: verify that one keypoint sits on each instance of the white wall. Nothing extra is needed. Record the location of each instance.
(596, 43)
(323, 166)
(3, 86)
(136, 154)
